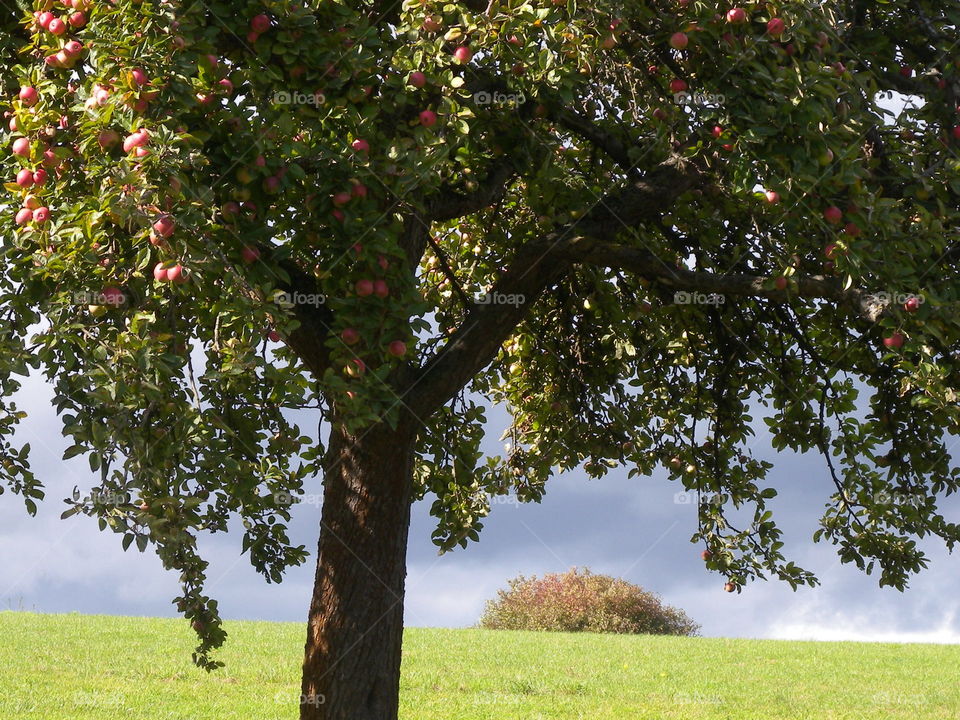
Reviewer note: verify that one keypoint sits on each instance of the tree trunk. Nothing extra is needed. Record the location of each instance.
(351, 670)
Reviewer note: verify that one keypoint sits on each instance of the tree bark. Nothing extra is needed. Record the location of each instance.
(351, 669)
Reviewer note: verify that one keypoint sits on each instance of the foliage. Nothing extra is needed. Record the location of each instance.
(579, 601)
(319, 203)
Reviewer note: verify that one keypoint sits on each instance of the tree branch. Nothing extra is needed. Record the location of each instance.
(537, 266)
(450, 205)
(647, 265)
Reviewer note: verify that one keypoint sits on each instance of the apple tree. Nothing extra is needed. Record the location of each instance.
(643, 227)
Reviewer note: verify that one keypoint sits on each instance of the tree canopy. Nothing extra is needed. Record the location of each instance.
(644, 227)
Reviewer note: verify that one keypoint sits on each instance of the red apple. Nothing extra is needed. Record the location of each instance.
(164, 227)
(21, 147)
(912, 304)
(355, 367)
(831, 251)
(417, 79)
(729, 587)
(706, 555)
(41, 215)
(250, 254)
(176, 274)
(463, 55)
(397, 348)
(271, 184)
(24, 216)
(660, 114)
(40, 177)
(160, 272)
(31, 201)
(895, 341)
(44, 18)
(341, 198)
(833, 215)
(381, 289)
(359, 190)
(25, 178)
(77, 19)
(775, 28)
(717, 131)
(28, 96)
(73, 48)
(428, 118)
(737, 16)
(956, 132)
(852, 229)
(274, 336)
(772, 197)
(260, 24)
(113, 296)
(230, 210)
(350, 336)
(364, 288)
(678, 41)
(57, 27)
(677, 85)
(108, 138)
(136, 140)
(781, 283)
(360, 145)
(139, 77)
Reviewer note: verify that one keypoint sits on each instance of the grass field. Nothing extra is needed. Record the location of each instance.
(78, 667)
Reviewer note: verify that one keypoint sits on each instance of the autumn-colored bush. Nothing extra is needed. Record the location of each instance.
(579, 601)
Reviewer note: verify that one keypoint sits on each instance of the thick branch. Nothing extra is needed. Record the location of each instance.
(647, 265)
(309, 340)
(537, 266)
(450, 205)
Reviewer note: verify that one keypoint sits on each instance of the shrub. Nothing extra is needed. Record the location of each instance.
(579, 601)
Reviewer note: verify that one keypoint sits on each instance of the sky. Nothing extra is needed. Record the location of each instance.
(630, 528)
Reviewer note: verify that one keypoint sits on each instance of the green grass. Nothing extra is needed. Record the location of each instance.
(78, 667)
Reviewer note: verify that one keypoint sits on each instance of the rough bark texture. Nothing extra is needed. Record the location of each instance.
(351, 669)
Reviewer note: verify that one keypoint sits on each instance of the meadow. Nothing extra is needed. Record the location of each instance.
(81, 667)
